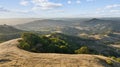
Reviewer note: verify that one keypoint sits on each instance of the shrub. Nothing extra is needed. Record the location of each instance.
(108, 61)
(24, 45)
(116, 59)
(29, 41)
(82, 50)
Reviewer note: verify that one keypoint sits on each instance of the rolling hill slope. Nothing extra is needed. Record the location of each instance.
(9, 32)
(38, 25)
(100, 25)
(93, 25)
(8, 29)
(11, 56)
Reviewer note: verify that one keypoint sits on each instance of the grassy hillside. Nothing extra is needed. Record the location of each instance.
(12, 56)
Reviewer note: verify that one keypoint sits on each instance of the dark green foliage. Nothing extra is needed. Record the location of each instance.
(109, 61)
(61, 43)
(33, 42)
(83, 50)
(116, 59)
(74, 42)
(30, 38)
(24, 45)
(30, 42)
(54, 45)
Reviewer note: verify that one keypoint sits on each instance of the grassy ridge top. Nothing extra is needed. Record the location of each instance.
(11, 55)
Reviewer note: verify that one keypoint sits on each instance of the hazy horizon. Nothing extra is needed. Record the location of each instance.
(16, 21)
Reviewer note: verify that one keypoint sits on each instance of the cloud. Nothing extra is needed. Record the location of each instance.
(24, 2)
(108, 7)
(57, 11)
(2, 9)
(69, 2)
(78, 1)
(112, 6)
(115, 11)
(21, 11)
(90, 0)
(45, 4)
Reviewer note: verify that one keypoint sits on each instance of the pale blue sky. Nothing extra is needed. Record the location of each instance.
(59, 8)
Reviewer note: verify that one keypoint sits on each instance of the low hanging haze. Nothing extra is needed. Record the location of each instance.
(59, 8)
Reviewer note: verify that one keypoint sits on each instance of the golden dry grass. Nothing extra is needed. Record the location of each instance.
(11, 56)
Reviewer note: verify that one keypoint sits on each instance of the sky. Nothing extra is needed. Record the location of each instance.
(59, 8)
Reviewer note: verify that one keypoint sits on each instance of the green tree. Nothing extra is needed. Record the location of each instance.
(24, 45)
(29, 42)
(31, 39)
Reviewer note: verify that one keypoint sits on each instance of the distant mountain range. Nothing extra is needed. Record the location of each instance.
(67, 26)
(43, 24)
(99, 24)
(92, 25)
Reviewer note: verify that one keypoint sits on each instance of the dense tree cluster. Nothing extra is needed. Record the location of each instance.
(35, 43)
(61, 43)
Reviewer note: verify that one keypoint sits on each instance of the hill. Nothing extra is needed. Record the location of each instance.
(61, 43)
(102, 29)
(101, 25)
(44, 24)
(8, 29)
(12, 56)
(96, 46)
(9, 32)
(86, 25)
